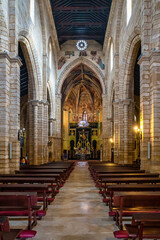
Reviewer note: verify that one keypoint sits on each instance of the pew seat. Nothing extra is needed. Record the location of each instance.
(27, 234)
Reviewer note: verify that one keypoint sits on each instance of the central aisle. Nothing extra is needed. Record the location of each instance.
(78, 212)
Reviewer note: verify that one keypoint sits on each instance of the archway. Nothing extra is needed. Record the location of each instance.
(27, 95)
(81, 113)
(132, 84)
(24, 122)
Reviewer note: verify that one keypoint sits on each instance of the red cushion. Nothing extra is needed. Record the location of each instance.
(101, 192)
(121, 234)
(27, 234)
(50, 199)
(112, 214)
(14, 213)
(105, 199)
(60, 185)
(56, 191)
(41, 213)
(40, 199)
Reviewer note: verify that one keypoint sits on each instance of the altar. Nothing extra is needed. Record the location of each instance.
(83, 143)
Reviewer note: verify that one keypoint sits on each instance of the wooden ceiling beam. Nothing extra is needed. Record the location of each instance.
(87, 9)
(81, 37)
(81, 24)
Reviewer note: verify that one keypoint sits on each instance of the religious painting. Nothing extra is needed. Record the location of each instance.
(69, 54)
(93, 55)
(100, 63)
(61, 62)
(83, 54)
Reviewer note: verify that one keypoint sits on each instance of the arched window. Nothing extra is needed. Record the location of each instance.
(32, 9)
(111, 56)
(129, 10)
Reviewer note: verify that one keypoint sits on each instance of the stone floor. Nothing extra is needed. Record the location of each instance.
(78, 212)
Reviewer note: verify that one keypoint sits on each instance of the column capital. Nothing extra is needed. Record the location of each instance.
(36, 102)
(12, 58)
(123, 101)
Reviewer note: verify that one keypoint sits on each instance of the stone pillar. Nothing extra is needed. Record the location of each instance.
(14, 113)
(9, 112)
(144, 62)
(121, 132)
(52, 137)
(58, 138)
(104, 128)
(116, 131)
(38, 132)
(128, 131)
(33, 132)
(155, 114)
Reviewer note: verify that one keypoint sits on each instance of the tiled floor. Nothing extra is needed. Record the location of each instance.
(78, 212)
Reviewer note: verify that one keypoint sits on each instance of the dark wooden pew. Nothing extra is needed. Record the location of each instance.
(31, 180)
(44, 171)
(39, 188)
(58, 180)
(19, 204)
(128, 203)
(112, 189)
(103, 177)
(115, 171)
(10, 234)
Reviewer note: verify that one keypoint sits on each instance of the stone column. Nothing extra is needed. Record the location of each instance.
(52, 137)
(128, 131)
(144, 62)
(155, 114)
(58, 139)
(9, 112)
(105, 135)
(38, 132)
(33, 132)
(14, 113)
(42, 132)
(116, 131)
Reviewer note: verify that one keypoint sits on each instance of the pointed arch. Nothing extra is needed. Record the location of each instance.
(74, 64)
(33, 68)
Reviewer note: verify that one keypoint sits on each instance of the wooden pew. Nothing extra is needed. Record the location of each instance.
(56, 177)
(10, 234)
(104, 177)
(44, 171)
(39, 188)
(19, 204)
(115, 171)
(32, 180)
(112, 189)
(129, 203)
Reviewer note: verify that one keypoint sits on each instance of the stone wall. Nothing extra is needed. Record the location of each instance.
(33, 34)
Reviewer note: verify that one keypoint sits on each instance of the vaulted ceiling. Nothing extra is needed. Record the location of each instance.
(81, 78)
(81, 19)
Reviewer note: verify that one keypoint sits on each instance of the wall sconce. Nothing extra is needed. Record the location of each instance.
(138, 132)
(111, 140)
(21, 133)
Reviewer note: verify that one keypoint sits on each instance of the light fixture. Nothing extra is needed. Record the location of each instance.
(111, 140)
(138, 132)
(81, 45)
